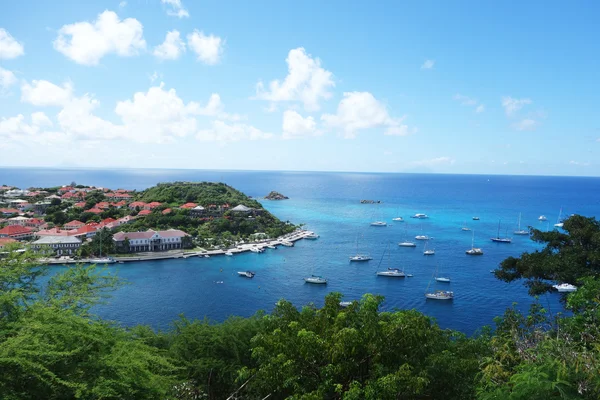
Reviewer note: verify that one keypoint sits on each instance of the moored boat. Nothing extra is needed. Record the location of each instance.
(420, 216)
(565, 288)
(392, 273)
(314, 279)
(246, 274)
(440, 295)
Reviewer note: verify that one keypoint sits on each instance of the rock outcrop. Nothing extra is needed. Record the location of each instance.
(276, 196)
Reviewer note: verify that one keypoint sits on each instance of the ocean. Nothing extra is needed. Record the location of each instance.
(328, 203)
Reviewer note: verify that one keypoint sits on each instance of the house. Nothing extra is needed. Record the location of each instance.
(41, 206)
(151, 206)
(241, 209)
(22, 207)
(119, 196)
(103, 205)
(144, 212)
(17, 221)
(16, 193)
(137, 204)
(16, 202)
(106, 223)
(86, 231)
(151, 240)
(166, 211)
(35, 223)
(119, 204)
(52, 232)
(81, 204)
(60, 245)
(52, 197)
(16, 232)
(188, 206)
(95, 210)
(197, 211)
(6, 242)
(73, 225)
(8, 211)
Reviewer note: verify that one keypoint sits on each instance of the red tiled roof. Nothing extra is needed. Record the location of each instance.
(95, 211)
(5, 241)
(188, 205)
(145, 212)
(9, 211)
(102, 204)
(153, 204)
(35, 221)
(108, 220)
(74, 223)
(119, 203)
(81, 204)
(137, 204)
(84, 230)
(53, 232)
(166, 211)
(13, 230)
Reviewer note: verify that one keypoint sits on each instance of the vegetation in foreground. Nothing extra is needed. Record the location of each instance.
(53, 347)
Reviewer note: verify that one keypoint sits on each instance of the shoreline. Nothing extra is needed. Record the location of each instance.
(243, 248)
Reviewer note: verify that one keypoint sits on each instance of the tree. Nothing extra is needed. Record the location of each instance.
(566, 257)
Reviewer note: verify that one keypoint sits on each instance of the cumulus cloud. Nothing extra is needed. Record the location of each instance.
(222, 132)
(361, 110)
(470, 102)
(512, 105)
(87, 42)
(7, 79)
(18, 129)
(9, 47)
(306, 82)
(175, 8)
(428, 64)
(43, 93)
(171, 48)
(209, 49)
(295, 126)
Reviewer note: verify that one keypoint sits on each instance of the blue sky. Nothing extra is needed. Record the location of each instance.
(456, 87)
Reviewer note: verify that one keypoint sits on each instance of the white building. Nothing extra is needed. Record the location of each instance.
(151, 240)
(61, 245)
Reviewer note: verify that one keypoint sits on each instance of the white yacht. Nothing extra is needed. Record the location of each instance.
(422, 237)
(426, 251)
(398, 219)
(407, 244)
(311, 236)
(520, 231)
(392, 273)
(542, 218)
(229, 254)
(318, 280)
(272, 247)
(257, 249)
(379, 223)
(440, 295)
(420, 216)
(565, 288)
(361, 257)
(102, 260)
(246, 274)
(442, 279)
(345, 304)
(287, 243)
(473, 251)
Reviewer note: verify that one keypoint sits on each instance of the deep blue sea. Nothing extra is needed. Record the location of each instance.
(328, 203)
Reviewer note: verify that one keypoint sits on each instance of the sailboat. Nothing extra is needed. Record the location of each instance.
(426, 251)
(465, 227)
(559, 223)
(359, 256)
(390, 272)
(422, 237)
(520, 231)
(498, 239)
(398, 219)
(439, 278)
(438, 294)
(474, 251)
(407, 243)
(100, 259)
(378, 222)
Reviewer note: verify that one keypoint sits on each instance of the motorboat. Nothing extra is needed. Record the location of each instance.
(442, 279)
(102, 260)
(542, 218)
(318, 280)
(270, 246)
(311, 236)
(379, 223)
(345, 304)
(429, 252)
(247, 274)
(475, 218)
(420, 216)
(361, 257)
(398, 219)
(565, 288)
(466, 229)
(409, 275)
(206, 256)
(407, 244)
(422, 237)
(229, 254)
(392, 273)
(287, 243)
(440, 295)
(257, 250)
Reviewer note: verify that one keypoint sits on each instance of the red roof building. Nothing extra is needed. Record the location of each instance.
(119, 204)
(81, 204)
(53, 232)
(95, 210)
(73, 225)
(188, 206)
(102, 205)
(136, 204)
(8, 211)
(6, 241)
(166, 211)
(87, 231)
(144, 212)
(152, 205)
(16, 232)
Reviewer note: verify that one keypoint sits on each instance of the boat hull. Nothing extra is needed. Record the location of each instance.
(407, 244)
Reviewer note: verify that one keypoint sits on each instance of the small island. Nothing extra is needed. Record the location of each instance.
(276, 196)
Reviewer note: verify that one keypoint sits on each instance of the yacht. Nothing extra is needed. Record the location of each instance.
(565, 288)
(559, 223)
(542, 218)
(420, 216)
(316, 280)
(102, 260)
(475, 218)
(442, 279)
(246, 274)
(229, 254)
(257, 250)
(379, 223)
(398, 219)
(520, 231)
(428, 252)
(498, 239)
(465, 228)
(311, 236)
(422, 237)
(272, 247)
(440, 295)
(287, 243)
(392, 273)
(345, 304)
(407, 244)
(361, 257)
(473, 251)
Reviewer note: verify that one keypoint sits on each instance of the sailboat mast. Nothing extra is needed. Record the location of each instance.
(498, 235)
(473, 240)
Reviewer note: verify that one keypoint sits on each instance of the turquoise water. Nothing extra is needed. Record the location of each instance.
(329, 204)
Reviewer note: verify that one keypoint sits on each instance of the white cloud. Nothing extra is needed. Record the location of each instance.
(480, 108)
(171, 48)
(9, 47)
(224, 133)
(77, 120)
(86, 43)
(208, 48)
(295, 126)
(511, 105)
(526, 124)
(7, 79)
(175, 8)
(428, 64)
(579, 163)
(17, 128)
(434, 162)
(44, 93)
(123, 4)
(306, 82)
(361, 110)
(470, 102)
(40, 119)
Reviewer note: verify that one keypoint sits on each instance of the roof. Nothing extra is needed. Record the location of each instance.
(188, 205)
(15, 230)
(153, 204)
(95, 211)
(19, 218)
(81, 204)
(5, 241)
(74, 222)
(9, 211)
(145, 212)
(171, 233)
(166, 211)
(58, 240)
(84, 230)
(137, 204)
(241, 207)
(53, 232)
(198, 208)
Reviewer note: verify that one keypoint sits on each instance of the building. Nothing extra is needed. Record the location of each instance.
(60, 245)
(6, 241)
(16, 232)
(144, 212)
(197, 211)
(188, 206)
(52, 232)
(35, 223)
(137, 204)
(17, 221)
(151, 240)
(41, 206)
(241, 209)
(73, 225)
(8, 211)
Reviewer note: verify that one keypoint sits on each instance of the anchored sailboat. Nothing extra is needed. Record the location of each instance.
(438, 294)
(359, 256)
(406, 242)
(426, 251)
(390, 272)
(559, 223)
(474, 251)
(520, 231)
(439, 277)
(498, 239)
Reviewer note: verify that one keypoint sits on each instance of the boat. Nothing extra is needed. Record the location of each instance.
(438, 278)
(392, 273)
(409, 275)
(565, 288)
(102, 260)
(559, 223)
(270, 246)
(206, 256)
(257, 249)
(420, 216)
(465, 227)
(318, 280)
(473, 251)
(422, 237)
(426, 251)
(440, 295)
(475, 218)
(247, 274)
(520, 231)
(407, 244)
(311, 236)
(498, 239)
(542, 218)
(345, 304)
(287, 243)
(398, 219)
(229, 254)
(359, 256)
(379, 223)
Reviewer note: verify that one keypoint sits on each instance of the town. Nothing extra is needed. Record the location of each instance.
(78, 221)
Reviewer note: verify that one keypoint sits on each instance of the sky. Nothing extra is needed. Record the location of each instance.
(390, 86)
